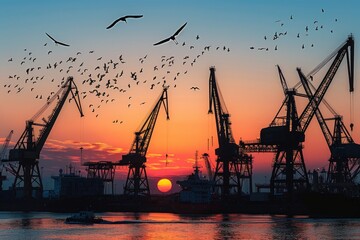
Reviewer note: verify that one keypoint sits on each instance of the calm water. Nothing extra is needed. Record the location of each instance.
(172, 226)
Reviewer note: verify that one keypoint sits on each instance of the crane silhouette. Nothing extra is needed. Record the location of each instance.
(57, 42)
(171, 37)
(123, 19)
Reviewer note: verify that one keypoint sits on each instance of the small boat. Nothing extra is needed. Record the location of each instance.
(85, 217)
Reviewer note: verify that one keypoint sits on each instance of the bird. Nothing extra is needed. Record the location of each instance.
(57, 42)
(195, 88)
(123, 19)
(171, 37)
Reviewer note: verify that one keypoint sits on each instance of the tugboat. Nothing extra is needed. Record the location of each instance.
(84, 217)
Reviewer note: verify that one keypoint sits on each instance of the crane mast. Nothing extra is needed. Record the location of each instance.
(137, 183)
(27, 149)
(232, 167)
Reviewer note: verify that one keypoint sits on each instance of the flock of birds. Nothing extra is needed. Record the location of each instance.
(110, 76)
(315, 26)
(101, 83)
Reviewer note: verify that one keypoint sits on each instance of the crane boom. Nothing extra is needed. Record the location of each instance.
(137, 182)
(282, 80)
(310, 109)
(324, 127)
(223, 125)
(143, 136)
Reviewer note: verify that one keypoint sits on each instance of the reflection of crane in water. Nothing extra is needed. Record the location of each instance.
(345, 153)
(232, 166)
(137, 181)
(27, 150)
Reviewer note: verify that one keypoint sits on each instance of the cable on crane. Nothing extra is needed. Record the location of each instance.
(352, 100)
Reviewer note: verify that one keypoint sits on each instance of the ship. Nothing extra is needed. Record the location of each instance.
(196, 188)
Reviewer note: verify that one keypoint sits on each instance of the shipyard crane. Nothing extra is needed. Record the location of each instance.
(232, 167)
(27, 150)
(286, 133)
(345, 153)
(137, 182)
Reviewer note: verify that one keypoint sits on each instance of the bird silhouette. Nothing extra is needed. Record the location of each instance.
(57, 42)
(171, 37)
(123, 19)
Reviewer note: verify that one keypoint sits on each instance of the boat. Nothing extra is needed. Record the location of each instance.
(196, 189)
(84, 217)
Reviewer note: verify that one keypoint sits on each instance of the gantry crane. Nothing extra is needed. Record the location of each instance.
(27, 150)
(232, 167)
(345, 153)
(286, 135)
(137, 183)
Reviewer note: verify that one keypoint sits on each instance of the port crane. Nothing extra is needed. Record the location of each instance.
(26, 151)
(137, 183)
(345, 153)
(286, 133)
(233, 167)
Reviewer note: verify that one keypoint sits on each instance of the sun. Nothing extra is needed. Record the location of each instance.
(164, 185)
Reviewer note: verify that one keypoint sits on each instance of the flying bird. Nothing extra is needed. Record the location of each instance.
(57, 42)
(123, 19)
(171, 37)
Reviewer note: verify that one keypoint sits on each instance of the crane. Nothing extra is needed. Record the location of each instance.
(284, 132)
(232, 167)
(290, 133)
(137, 183)
(206, 158)
(345, 153)
(26, 151)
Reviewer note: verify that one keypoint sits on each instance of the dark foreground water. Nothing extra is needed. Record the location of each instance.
(160, 226)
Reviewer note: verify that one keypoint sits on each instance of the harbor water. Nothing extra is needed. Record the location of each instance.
(163, 226)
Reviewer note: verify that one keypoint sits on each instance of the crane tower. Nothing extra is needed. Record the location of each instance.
(233, 167)
(137, 183)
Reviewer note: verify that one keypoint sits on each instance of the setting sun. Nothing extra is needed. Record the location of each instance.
(164, 185)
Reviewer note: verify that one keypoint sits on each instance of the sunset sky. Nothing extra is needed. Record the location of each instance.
(247, 77)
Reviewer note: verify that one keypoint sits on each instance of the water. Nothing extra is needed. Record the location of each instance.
(165, 226)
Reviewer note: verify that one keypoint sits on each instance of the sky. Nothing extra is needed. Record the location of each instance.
(237, 34)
